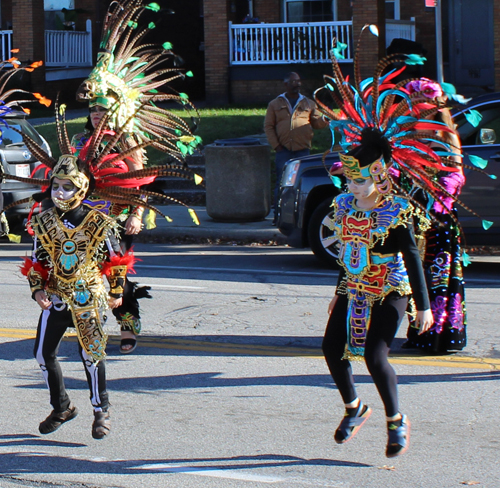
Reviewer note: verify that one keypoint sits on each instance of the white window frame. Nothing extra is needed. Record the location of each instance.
(397, 9)
(285, 2)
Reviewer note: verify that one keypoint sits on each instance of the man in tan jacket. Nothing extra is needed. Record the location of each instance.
(289, 123)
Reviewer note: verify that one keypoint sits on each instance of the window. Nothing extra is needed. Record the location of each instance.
(56, 18)
(392, 10)
(309, 10)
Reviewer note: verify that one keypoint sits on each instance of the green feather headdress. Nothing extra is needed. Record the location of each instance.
(127, 78)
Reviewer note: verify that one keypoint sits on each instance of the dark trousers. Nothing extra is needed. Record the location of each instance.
(128, 313)
(51, 327)
(386, 318)
(281, 158)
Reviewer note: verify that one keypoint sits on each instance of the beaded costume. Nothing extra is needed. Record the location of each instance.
(383, 128)
(368, 276)
(72, 259)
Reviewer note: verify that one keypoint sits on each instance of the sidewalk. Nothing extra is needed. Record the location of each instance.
(183, 226)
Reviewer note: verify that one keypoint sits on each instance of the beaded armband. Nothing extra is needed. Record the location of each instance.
(116, 271)
(116, 279)
(342, 287)
(36, 273)
(138, 212)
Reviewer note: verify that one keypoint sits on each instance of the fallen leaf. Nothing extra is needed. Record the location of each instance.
(388, 468)
(469, 483)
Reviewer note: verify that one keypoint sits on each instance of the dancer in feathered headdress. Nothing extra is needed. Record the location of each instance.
(74, 246)
(383, 128)
(9, 69)
(129, 80)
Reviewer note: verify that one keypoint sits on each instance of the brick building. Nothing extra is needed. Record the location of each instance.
(240, 50)
(466, 24)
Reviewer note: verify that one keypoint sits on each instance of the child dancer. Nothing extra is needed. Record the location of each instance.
(384, 130)
(380, 267)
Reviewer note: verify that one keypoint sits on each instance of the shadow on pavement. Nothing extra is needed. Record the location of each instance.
(26, 463)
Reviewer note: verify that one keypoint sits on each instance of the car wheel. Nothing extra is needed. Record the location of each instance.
(321, 240)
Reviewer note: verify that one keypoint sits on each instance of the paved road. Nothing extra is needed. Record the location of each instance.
(228, 388)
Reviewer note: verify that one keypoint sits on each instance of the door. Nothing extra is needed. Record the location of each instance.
(471, 42)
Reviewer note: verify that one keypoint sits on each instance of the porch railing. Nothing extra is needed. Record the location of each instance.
(6, 44)
(287, 43)
(68, 48)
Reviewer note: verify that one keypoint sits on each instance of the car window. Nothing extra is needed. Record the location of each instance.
(10, 136)
(470, 135)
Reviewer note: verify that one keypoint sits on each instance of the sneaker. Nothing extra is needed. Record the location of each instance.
(399, 437)
(102, 425)
(56, 419)
(351, 423)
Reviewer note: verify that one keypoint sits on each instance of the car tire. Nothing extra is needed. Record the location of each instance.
(320, 236)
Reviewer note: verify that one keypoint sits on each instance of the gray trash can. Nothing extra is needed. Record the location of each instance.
(238, 180)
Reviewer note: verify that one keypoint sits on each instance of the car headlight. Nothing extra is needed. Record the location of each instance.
(290, 173)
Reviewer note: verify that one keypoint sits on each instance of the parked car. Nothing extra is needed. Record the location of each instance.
(307, 192)
(17, 160)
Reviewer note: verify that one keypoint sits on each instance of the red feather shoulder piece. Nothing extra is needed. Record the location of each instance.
(127, 260)
(38, 267)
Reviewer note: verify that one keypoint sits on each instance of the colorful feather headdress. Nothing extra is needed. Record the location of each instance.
(9, 68)
(401, 114)
(127, 78)
(111, 179)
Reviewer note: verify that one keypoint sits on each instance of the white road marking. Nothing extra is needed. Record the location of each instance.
(213, 473)
(181, 287)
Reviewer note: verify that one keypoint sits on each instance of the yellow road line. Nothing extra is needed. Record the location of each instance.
(455, 361)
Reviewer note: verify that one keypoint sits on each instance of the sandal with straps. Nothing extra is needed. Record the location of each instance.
(399, 437)
(102, 425)
(124, 343)
(350, 424)
(56, 419)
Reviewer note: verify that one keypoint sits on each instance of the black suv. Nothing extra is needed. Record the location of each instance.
(307, 192)
(17, 160)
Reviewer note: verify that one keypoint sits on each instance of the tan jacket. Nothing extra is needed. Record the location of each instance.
(293, 130)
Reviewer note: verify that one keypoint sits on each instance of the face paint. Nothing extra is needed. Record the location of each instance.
(361, 188)
(96, 114)
(63, 194)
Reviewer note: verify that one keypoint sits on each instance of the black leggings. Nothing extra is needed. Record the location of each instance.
(385, 320)
(51, 328)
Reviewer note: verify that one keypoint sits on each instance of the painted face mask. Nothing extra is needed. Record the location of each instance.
(376, 171)
(361, 187)
(69, 184)
(62, 193)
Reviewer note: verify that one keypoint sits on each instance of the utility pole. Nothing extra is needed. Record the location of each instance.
(439, 42)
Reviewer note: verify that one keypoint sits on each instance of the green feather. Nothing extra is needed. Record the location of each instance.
(473, 117)
(154, 7)
(465, 259)
(478, 161)
(413, 59)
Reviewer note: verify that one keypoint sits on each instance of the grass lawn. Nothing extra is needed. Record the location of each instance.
(215, 123)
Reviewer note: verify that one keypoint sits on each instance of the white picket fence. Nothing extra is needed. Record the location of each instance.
(308, 42)
(68, 48)
(62, 48)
